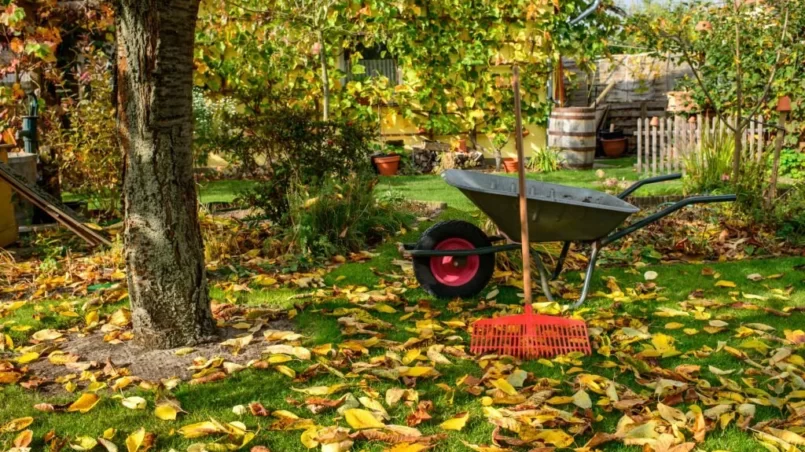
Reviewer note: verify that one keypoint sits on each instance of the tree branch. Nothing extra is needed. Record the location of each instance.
(698, 77)
(773, 74)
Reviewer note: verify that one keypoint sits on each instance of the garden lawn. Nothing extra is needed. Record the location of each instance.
(273, 390)
(432, 188)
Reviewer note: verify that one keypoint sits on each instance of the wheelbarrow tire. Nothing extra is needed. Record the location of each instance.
(480, 268)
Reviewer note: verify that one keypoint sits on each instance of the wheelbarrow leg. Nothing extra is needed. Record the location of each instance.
(561, 262)
(588, 277)
(543, 277)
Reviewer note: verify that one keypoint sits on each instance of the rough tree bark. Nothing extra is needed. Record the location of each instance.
(163, 245)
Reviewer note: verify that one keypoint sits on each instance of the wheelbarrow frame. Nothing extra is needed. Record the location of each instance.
(596, 244)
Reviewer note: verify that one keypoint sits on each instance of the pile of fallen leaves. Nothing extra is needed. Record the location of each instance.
(664, 409)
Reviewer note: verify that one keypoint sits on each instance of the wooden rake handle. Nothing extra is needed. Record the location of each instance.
(518, 137)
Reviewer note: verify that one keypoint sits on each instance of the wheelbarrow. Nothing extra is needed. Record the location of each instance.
(456, 258)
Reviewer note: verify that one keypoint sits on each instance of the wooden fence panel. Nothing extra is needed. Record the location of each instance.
(662, 148)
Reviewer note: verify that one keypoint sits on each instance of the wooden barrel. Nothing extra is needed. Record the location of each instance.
(572, 131)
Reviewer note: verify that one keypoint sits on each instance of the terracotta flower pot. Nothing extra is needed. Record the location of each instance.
(614, 147)
(387, 166)
(510, 165)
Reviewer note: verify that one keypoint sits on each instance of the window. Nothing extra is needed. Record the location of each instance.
(377, 61)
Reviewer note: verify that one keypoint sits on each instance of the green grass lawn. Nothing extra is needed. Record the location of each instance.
(215, 400)
(431, 187)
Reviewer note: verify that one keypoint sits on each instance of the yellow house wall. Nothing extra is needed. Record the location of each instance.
(402, 129)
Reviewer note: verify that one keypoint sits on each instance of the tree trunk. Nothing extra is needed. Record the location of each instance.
(325, 78)
(164, 250)
(775, 169)
(736, 158)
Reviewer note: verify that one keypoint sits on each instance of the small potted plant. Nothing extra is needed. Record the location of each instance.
(387, 163)
(613, 142)
(510, 165)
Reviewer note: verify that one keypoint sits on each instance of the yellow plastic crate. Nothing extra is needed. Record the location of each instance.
(8, 224)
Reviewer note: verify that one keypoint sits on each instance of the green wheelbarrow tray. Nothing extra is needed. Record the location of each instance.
(556, 213)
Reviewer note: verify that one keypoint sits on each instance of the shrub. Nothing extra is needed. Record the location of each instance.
(545, 160)
(709, 168)
(300, 150)
(792, 163)
(339, 215)
(90, 163)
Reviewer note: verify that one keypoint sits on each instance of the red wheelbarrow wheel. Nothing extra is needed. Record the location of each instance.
(452, 276)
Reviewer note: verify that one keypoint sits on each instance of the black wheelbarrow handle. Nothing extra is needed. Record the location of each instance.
(665, 212)
(597, 245)
(650, 180)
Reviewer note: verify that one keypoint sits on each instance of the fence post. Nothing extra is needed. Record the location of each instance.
(751, 139)
(647, 143)
(669, 131)
(761, 142)
(654, 157)
(639, 149)
(663, 149)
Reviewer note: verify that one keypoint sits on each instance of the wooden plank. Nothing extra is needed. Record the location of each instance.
(61, 213)
(761, 141)
(664, 154)
(669, 139)
(751, 139)
(639, 147)
(655, 166)
(647, 144)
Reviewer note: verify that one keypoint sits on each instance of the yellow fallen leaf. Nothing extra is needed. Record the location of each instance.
(86, 402)
(419, 371)
(361, 419)
(108, 445)
(134, 403)
(184, 351)
(504, 386)
(83, 443)
(723, 283)
(285, 370)
(16, 424)
(23, 439)
(47, 335)
(582, 400)
(673, 326)
(200, 429)
(135, 441)
(26, 358)
(91, 317)
(264, 280)
(456, 422)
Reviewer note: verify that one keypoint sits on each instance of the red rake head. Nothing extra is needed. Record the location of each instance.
(529, 336)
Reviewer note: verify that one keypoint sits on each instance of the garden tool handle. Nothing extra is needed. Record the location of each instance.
(518, 139)
(650, 180)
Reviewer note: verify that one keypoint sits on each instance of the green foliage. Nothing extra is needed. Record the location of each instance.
(545, 160)
(709, 169)
(786, 213)
(792, 163)
(340, 215)
(87, 152)
(297, 149)
(455, 58)
(705, 34)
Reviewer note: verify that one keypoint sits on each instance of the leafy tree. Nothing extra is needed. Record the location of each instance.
(744, 55)
(455, 56)
(164, 250)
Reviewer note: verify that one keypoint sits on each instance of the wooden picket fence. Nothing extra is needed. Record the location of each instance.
(663, 143)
